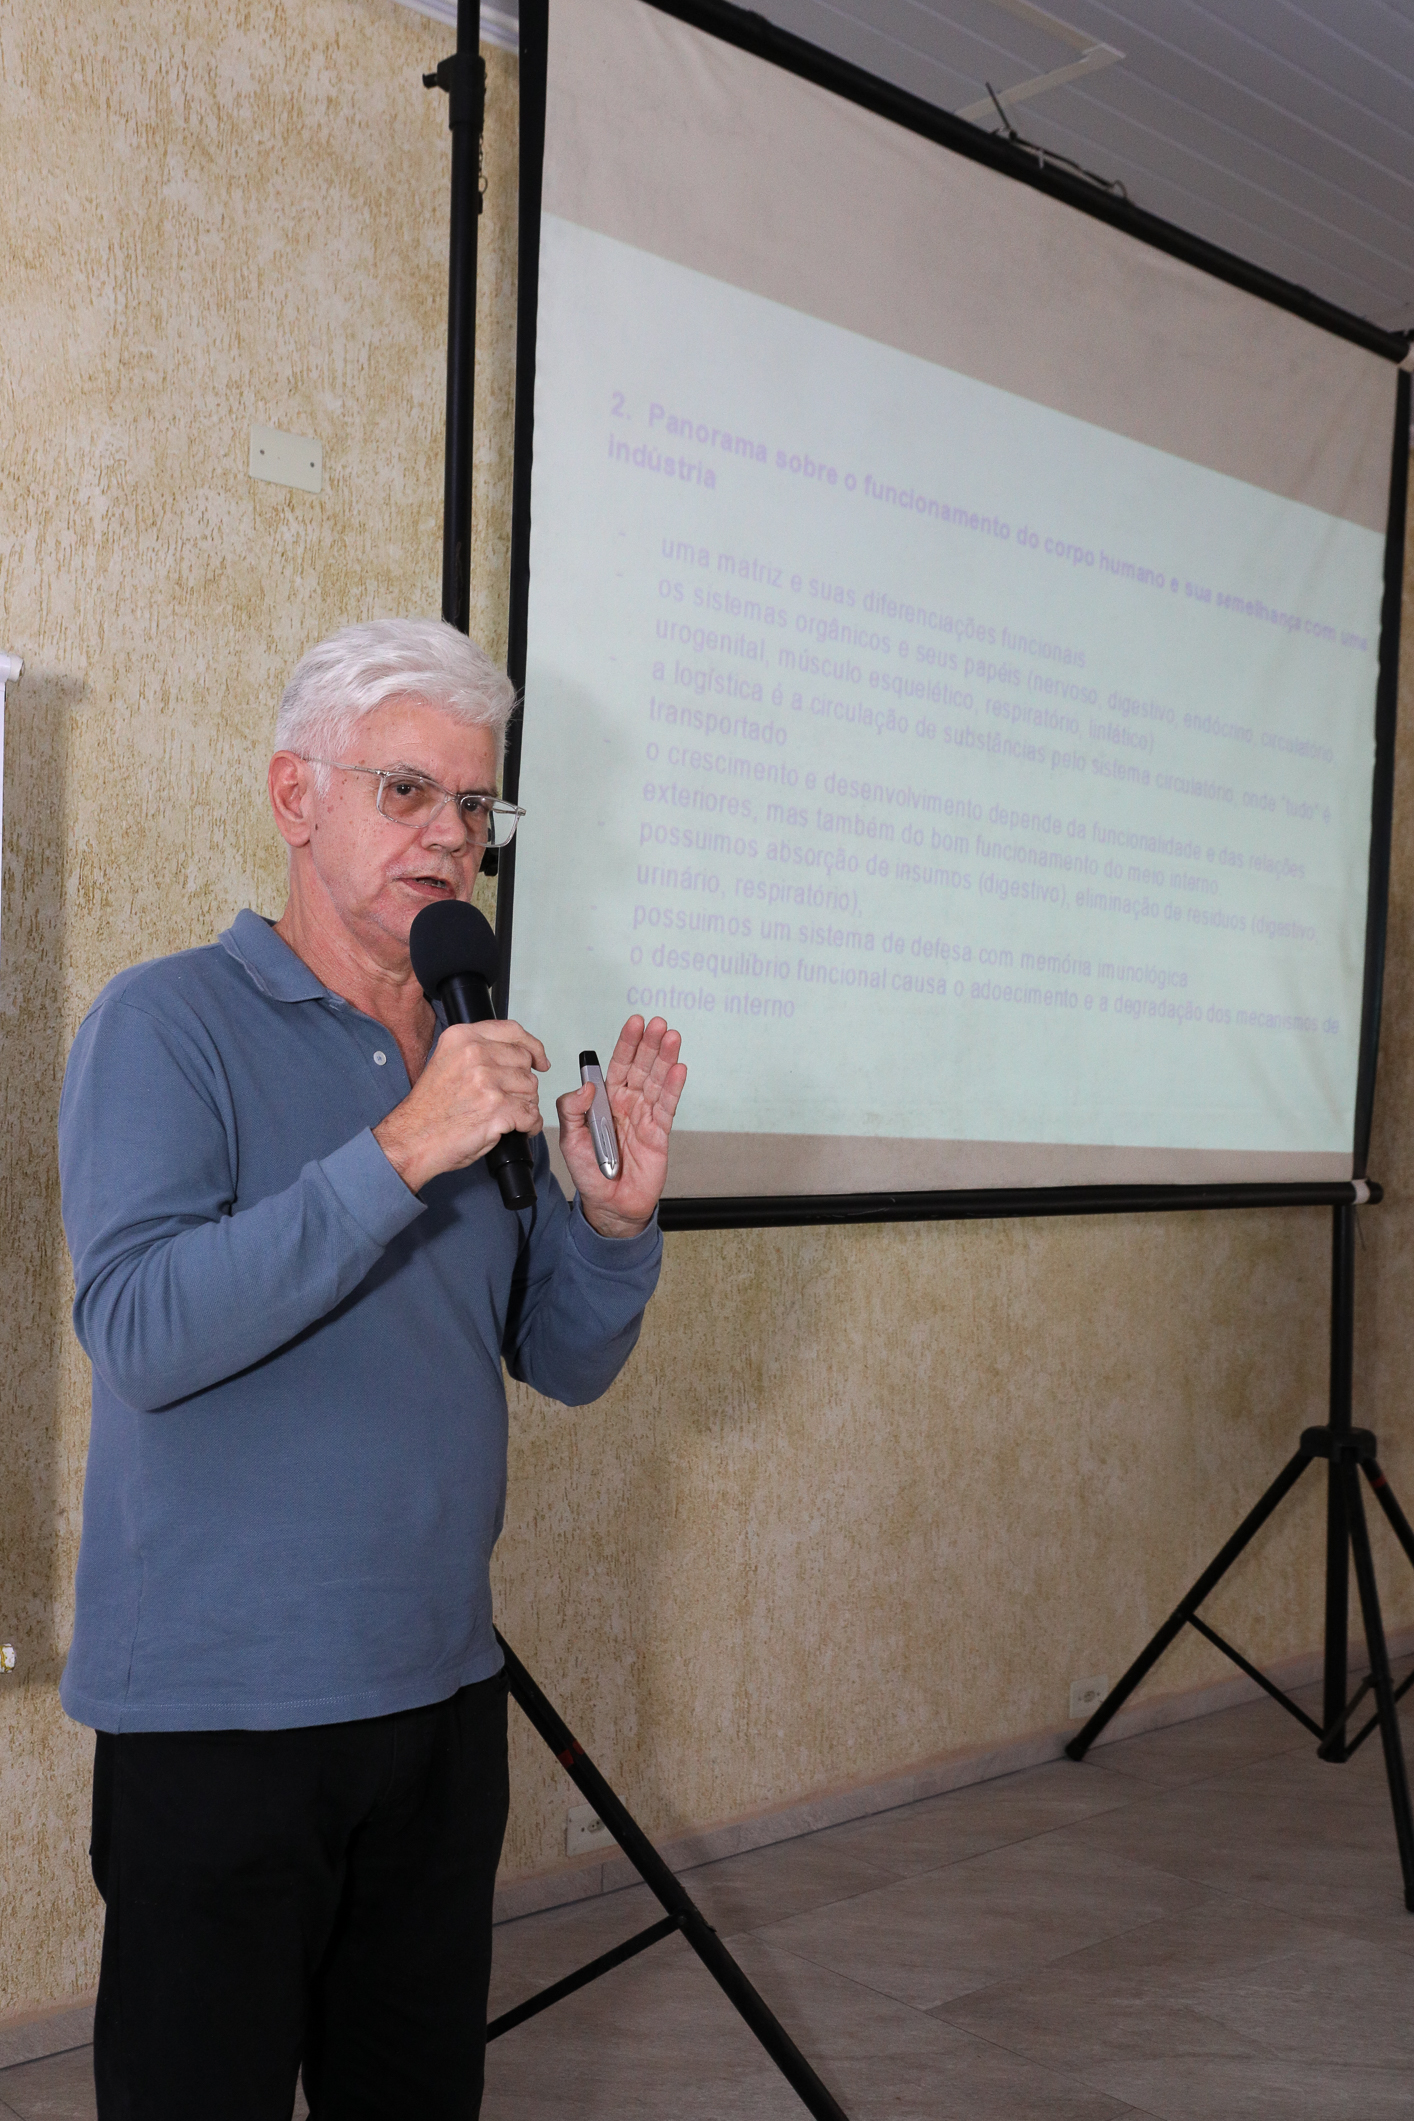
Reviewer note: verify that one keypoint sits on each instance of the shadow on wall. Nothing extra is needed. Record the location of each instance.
(35, 1570)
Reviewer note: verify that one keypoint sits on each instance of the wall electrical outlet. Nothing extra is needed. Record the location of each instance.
(1086, 1696)
(287, 460)
(585, 1831)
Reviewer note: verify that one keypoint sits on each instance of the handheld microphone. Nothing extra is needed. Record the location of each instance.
(453, 952)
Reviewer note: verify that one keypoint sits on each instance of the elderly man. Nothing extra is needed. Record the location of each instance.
(297, 1284)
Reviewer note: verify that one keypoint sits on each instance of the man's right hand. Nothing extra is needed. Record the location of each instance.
(479, 1083)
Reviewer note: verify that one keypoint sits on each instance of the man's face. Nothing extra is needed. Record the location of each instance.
(377, 876)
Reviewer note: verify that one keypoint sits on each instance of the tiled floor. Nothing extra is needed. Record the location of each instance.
(1204, 1924)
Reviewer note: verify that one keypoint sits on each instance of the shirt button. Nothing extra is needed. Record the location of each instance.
(380, 1059)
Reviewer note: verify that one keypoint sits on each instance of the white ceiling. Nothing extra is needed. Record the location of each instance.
(1281, 129)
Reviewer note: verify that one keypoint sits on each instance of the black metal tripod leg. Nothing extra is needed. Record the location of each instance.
(1383, 1684)
(1384, 1495)
(1335, 1660)
(664, 1884)
(1178, 1619)
(1335, 1674)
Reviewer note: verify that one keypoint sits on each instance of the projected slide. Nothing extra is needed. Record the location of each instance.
(983, 791)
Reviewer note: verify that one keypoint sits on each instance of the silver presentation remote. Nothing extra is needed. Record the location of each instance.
(601, 1117)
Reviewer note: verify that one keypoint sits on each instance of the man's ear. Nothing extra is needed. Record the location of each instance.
(291, 796)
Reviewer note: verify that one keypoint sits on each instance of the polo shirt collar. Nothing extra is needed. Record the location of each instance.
(271, 963)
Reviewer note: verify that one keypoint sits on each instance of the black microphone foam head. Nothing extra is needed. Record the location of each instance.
(452, 937)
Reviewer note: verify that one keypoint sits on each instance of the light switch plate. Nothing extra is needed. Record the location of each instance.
(287, 460)
(1086, 1696)
(585, 1831)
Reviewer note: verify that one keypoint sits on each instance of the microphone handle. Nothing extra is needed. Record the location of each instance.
(467, 1000)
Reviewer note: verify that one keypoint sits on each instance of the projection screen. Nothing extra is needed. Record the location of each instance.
(952, 638)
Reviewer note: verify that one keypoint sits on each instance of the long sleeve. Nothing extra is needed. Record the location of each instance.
(577, 1300)
(175, 1288)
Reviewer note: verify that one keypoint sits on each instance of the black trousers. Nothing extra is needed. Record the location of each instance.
(317, 1897)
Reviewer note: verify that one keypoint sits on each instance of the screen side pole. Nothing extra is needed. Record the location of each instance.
(1337, 1621)
(534, 60)
(463, 77)
(1382, 797)
(1337, 1643)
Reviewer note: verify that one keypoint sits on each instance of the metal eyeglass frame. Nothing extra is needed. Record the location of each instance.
(507, 815)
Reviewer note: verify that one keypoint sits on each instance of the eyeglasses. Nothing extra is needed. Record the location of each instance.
(412, 799)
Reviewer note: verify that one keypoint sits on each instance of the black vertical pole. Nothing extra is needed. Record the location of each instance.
(464, 78)
(1337, 1507)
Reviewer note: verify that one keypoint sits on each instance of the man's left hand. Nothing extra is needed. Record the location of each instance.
(644, 1080)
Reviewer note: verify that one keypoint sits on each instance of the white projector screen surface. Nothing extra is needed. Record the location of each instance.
(952, 658)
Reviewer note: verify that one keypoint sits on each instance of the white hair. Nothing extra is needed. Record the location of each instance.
(364, 667)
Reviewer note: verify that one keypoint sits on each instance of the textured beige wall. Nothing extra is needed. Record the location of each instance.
(208, 217)
(863, 1495)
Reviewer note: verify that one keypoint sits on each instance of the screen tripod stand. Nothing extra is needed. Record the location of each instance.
(1349, 1453)
(681, 1915)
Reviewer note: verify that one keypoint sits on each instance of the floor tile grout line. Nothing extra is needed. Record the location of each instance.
(51, 2054)
(1066, 1826)
(1245, 1900)
(1137, 1863)
(1061, 1827)
(759, 1930)
(1047, 1965)
(890, 1878)
(1267, 1906)
(819, 1907)
(1266, 2050)
(1265, 2047)
(1196, 1782)
(1067, 2076)
(929, 1870)
(905, 1878)
(1263, 2051)
(873, 1819)
(928, 2010)
(1163, 1869)
(866, 1988)
(1073, 2075)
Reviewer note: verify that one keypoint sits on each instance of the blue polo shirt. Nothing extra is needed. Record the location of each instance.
(297, 1468)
